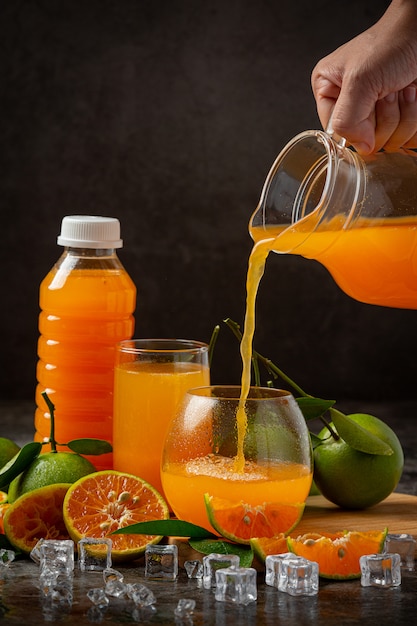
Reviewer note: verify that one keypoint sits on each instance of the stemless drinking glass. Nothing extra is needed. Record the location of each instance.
(151, 377)
(201, 450)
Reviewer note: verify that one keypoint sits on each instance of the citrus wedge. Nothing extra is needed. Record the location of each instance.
(241, 522)
(338, 554)
(264, 546)
(36, 515)
(102, 502)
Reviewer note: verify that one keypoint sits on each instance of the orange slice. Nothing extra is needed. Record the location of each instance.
(3, 497)
(263, 546)
(102, 502)
(338, 554)
(3, 508)
(242, 522)
(36, 515)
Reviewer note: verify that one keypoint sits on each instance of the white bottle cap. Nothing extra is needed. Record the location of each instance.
(90, 231)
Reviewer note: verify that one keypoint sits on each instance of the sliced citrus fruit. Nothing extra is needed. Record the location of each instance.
(241, 522)
(3, 508)
(263, 546)
(3, 497)
(36, 515)
(102, 502)
(338, 554)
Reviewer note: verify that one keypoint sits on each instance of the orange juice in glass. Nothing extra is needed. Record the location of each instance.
(201, 451)
(151, 378)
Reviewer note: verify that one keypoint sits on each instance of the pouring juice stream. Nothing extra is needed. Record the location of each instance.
(256, 267)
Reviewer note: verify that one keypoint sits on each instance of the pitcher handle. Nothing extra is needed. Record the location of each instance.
(341, 141)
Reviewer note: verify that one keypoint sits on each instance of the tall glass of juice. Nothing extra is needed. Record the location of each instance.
(151, 378)
(252, 454)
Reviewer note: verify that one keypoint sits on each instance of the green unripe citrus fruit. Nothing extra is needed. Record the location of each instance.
(353, 479)
(8, 449)
(48, 469)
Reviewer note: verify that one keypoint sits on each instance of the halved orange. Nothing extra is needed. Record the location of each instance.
(36, 515)
(3, 508)
(263, 546)
(102, 502)
(337, 554)
(241, 522)
(4, 505)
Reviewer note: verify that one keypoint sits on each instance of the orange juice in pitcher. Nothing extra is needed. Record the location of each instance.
(357, 216)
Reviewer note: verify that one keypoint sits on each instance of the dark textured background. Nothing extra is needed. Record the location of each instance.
(168, 114)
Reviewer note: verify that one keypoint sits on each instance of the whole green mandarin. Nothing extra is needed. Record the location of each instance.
(48, 469)
(353, 479)
(8, 449)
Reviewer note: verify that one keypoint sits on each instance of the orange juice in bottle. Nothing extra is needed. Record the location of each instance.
(87, 302)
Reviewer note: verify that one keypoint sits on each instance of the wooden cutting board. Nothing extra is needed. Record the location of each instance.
(398, 513)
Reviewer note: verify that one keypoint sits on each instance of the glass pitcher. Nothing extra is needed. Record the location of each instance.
(355, 215)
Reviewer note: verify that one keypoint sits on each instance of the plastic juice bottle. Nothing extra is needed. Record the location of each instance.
(87, 302)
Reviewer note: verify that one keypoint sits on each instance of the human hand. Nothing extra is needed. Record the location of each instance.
(369, 85)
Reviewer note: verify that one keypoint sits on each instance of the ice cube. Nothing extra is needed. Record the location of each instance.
(213, 562)
(94, 554)
(115, 588)
(35, 553)
(6, 557)
(141, 595)
(236, 584)
(56, 555)
(184, 608)
(161, 562)
(272, 567)
(380, 570)
(297, 576)
(112, 574)
(56, 588)
(404, 545)
(98, 597)
(194, 569)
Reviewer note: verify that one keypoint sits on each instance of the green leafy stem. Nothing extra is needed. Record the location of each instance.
(28, 453)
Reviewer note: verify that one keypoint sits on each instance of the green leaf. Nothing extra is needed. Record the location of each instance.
(359, 437)
(90, 446)
(313, 407)
(166, 528)
(19, 462)
(219, 546)
(315, 441)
